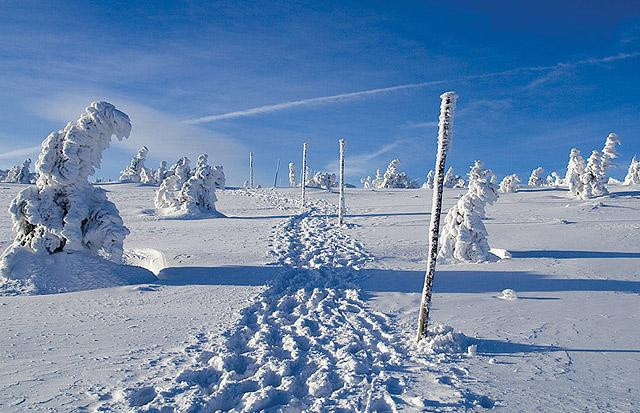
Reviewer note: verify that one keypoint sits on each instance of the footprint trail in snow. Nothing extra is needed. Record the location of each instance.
(309, 342)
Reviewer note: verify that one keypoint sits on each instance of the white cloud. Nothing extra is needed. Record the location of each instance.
(361, 164)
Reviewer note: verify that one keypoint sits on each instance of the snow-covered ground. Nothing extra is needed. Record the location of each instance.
(274, 307)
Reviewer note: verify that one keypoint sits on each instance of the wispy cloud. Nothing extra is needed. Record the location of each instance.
(385, 90)
(361, 164)
(20, 153)
(417, 125)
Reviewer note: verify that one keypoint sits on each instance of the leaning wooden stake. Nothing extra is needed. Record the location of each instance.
(303, 182)
(341, 206)
(250, 169)
(447, 108)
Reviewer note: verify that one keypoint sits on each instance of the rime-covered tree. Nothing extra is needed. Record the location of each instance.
(536, 177)
(366, 182)
(63, 213)
(133, 172)
(19, 174)
(575, 169)
(394, 178)
(450, 178)
(464, 236)
(592, 178)
(609, 153)
(181, 169)
(556, 178)
(160, 174)
(428, 183)
(323, 180)
(378, 180)
(292, 175)
(509, 183)
(633, 174)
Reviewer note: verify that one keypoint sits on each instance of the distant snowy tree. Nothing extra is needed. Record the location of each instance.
(609, 153)
(428, 183)
(393, 178)
(160, 174)
(64, 212)
(460, 182)
(633, 174)
(181, 168)
(133, 172)
(450, 178)
(19, 174)
(535, 179)
(575, 169)
(377, 182)
(592, 178)
(3, 174)
(292, 175)
(509, 183)
(366, 182)
(323, 180)
(557, 179)
(464, 236)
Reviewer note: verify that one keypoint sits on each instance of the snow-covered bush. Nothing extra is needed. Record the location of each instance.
(181, 169)
(509, 183)
(536, 177)
(378, 180)
(592, 178)
(193, 195)
(323, 180)
(428, 183)
(575, 169)
(633, 174)
(366, 182)
(556, 179)
(292, 175)
(464, 236)
(450, 178)
(393, 178)
(161, 173)
(19, 174)
(136, 168)
(65, 217)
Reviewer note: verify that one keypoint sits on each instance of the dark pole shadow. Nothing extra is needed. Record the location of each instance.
(561, 254)
(498, 347)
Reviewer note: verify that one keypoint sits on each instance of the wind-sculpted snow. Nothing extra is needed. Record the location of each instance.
(309, 342)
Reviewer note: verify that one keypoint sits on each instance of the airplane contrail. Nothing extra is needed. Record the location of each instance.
(364, 93)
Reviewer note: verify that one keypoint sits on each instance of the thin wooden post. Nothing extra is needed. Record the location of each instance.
(341, 206)
(447, 108)
(303, 183)
(250, 169)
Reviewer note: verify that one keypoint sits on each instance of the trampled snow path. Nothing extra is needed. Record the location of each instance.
(309, 342)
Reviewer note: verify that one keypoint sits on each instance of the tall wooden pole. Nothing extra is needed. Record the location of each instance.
(303, 182)
(447, 108)
(341, 205)
(275, 180)
(250, 169)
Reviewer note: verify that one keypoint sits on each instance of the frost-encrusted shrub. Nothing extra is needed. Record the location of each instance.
(593, 177)
(19, 174)
(556, 179)
(450, 178)
(366, 182)
(393, 178)
(181, 168)
(536, 177)
(633, 174)
(323, 180)
(136, 171)
(509, 183)
(161, 173)
(428, 183)
(609, 153)
(464, 236)
(63, 214)
(292, 175)
(192, 194)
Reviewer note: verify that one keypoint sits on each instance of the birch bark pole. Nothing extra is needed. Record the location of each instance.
(303, 182)
(250, 169)
(341, 205)
(445, 125)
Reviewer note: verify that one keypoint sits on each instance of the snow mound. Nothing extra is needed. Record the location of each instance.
(441, 339)
(68, 271)
(508, 294)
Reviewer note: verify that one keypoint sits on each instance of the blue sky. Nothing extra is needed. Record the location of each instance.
(533, 80)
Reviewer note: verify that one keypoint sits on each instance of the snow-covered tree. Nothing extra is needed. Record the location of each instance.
(450, 178)
(132, 173)
(378, 180)
(633, 174)
(323, 180)
(160, 174)
(464, 236)
(460, 183)
(536, 177)
(575, 169)
(509, 183)
(428, 183)
(366, 182)
(181, 168)
(592, 178)
(292, 175)
(609, 153)
(393, 178)
(556, 178)
(63, 212)
(19, 174)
